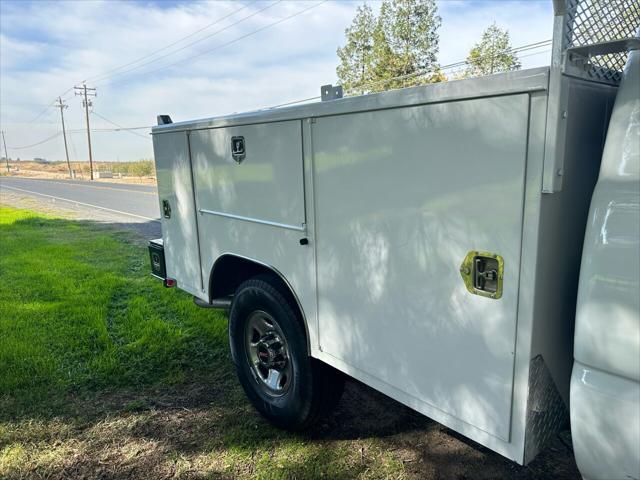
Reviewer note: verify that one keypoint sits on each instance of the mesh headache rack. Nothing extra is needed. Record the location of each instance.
(591, 40)
(597, 35)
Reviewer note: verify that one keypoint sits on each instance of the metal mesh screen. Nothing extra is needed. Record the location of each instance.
(595, 21)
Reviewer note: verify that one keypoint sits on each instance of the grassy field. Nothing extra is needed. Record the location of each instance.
(141, 171)
(105, 374)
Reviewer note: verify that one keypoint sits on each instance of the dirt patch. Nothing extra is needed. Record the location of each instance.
(187, 432)
(429, 450)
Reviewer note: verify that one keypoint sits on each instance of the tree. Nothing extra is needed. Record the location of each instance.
(356, 57)
(401, 42)
(492, 54)
(406, 42)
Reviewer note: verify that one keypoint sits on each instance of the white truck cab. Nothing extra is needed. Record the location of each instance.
(605, 385)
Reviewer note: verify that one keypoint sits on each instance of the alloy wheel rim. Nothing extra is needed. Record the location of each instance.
(268, 354)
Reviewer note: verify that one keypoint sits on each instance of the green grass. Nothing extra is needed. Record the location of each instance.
(103, 372)
(79, 311)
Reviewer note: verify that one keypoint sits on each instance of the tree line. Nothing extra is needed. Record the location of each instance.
(399, 48)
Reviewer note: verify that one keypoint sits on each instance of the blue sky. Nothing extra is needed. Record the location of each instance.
(46, 47)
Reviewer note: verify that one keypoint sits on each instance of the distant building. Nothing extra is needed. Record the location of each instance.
(40, 160)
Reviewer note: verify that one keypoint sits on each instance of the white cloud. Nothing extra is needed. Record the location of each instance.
(47, 47)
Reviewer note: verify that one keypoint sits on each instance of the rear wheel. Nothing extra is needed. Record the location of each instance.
(269, 349)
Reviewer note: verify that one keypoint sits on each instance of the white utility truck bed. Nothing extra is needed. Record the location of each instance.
(428, 239)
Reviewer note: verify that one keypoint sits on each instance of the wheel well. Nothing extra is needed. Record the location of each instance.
(229, 271)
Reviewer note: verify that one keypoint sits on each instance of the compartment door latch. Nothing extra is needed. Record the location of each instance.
(166, 209)
(238, 149)
(483, 273)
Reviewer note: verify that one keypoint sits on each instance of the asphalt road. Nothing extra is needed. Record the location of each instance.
(125, 203)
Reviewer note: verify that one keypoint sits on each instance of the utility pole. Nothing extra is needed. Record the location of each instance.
(61, 105)
(6, 155)
(85, 92)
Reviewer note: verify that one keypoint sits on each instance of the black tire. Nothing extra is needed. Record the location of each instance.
(311, 389)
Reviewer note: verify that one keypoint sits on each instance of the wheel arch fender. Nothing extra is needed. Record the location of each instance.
(229, 270)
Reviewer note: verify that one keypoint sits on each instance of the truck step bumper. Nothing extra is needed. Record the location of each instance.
(219, 303)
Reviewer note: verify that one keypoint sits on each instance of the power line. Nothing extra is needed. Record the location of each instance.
(24, 104)
(235, 40)
(192, 43)
(294, 102)
(120, 127)
(46, 109)
(108, 72)
(27, 123)
(450, 66)
(105, 77)
(49, 105)
(444, 67)
(535, 53)
(418, 73)
(81, 130)
(421, 72)
(63, 94)
(55, 135)
(522, 48)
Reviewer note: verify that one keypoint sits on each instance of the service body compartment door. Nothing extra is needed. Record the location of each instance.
(177, 210)
(251, 199)
(402, 196)
(259, 179)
